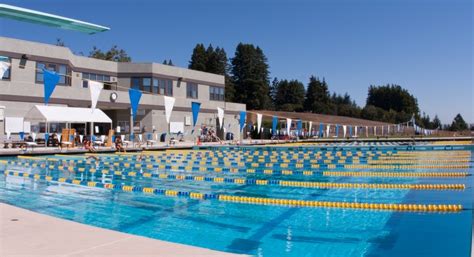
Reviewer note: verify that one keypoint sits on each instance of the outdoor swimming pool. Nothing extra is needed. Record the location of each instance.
(233, 199)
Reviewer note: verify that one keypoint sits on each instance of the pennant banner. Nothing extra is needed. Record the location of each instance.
(328, 130)
(242, 119)
(135, 96)
(220, 116)
(299, 127)
(95, 88)
(259, 121)
(288, 126)
(310, 128)
(344, 130)
(4, 66)
(195, 107)
(350, 131)
(50, 79)
(321, 127)
(337, 130)
(169, 104)
(274, 125)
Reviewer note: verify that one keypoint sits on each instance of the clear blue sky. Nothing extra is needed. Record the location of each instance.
(425, 46)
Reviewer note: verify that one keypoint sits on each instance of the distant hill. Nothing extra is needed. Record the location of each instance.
(315, 118)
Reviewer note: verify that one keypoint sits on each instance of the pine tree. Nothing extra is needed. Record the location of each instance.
(317, 96)
(436, 122)
(250, 76)
(165, 62)
(199, 58)
(289, 96)
(458, 123)
(170, 63)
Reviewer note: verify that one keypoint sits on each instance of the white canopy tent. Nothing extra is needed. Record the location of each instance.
(68, 115)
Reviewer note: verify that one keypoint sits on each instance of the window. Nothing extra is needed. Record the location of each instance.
(6, 75)
(154, 85)
(62, 69)
(191, 90)
(135, 83)
(216, 93)
(146, 84)
(91, 76)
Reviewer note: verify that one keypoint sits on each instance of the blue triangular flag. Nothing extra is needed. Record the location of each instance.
(135, 96)
(50, 79)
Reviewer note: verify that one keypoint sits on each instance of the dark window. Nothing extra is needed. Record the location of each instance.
(135, 83)
(97, 77)
(63, 71)
(153, 85)
(191, 90)
(7, 74)
(216, 93)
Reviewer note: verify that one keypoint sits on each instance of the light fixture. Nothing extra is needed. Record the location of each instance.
(23, 60)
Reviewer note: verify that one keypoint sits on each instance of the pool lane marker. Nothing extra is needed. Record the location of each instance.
(394, 174)
(247, 199)
(275, 182)
(267, 172)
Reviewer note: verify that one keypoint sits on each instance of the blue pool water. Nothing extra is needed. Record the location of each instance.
(259, 230)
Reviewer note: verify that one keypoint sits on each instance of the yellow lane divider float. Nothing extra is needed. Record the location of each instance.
(250, 200)
(394, 174)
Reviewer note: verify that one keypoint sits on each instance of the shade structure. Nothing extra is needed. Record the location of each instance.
(66, 114)
(32, 16)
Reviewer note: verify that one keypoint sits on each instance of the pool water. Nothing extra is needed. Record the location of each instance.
(257, 229)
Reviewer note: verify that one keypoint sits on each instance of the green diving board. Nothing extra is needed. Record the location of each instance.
(28, 15)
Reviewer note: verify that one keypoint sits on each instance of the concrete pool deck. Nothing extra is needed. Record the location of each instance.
(27, 233)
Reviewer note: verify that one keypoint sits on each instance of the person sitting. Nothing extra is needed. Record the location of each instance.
(119, 144)
(89, 146)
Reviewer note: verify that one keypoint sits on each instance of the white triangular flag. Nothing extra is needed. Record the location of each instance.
(288, 126)
(355, 131)
(375, 131)
(169, 103)
(310, 127)
(259, 121)
(220, 116)
(4, 66)
(344, 129)
(366, 131)
(95, 88)
(80, 138)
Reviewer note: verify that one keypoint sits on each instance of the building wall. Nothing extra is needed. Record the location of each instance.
(21, 92)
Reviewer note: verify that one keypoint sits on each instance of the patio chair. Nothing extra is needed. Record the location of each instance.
(151, 140)
(127, 142)
(32, 144)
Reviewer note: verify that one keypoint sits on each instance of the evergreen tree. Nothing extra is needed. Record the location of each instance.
(458, 123)
(392, 97)
(289, 96)
(199, 58)
(317, 96)
(165, 62)
(250, 76)
(436, 123)
(170, 63)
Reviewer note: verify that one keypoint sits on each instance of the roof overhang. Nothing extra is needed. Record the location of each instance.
(63, 114)
(28, 15)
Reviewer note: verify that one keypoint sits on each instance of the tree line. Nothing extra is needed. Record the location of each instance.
(247, 80)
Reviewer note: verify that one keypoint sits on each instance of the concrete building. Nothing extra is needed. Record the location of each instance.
(22, 87)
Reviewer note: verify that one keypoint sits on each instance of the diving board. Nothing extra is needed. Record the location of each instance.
(42, 18)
